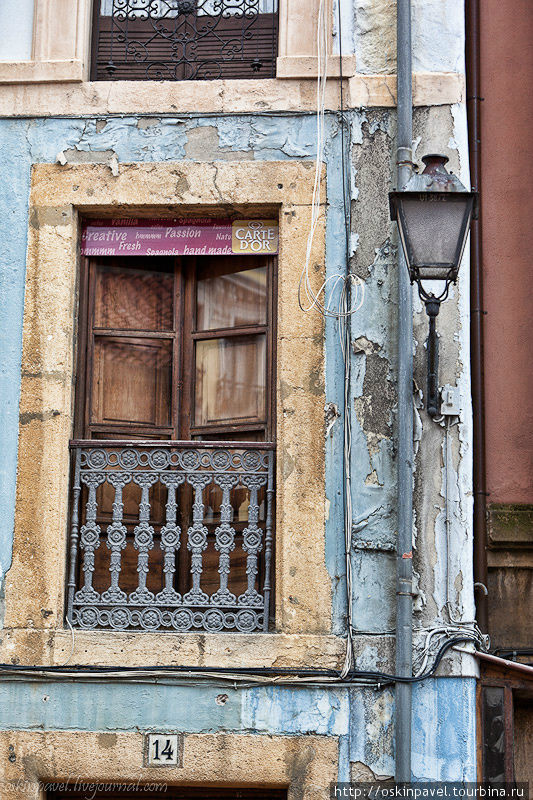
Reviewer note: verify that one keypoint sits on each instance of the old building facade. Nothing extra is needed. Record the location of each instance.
(173, 544)
(501, 370)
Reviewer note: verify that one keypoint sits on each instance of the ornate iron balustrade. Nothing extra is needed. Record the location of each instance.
(130, 496)
(184, 39)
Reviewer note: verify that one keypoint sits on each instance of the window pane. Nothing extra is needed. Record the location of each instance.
(230, 379)
(133, 299)
(493, 734)
(132, 381)
(235, 297)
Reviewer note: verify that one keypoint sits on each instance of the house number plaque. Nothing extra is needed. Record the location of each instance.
(162, 750)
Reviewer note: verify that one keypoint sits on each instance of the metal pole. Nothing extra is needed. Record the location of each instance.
(473, 84)
(74, 535)
(404, 598)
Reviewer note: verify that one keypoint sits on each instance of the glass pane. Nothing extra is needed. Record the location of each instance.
(493, 735)
(131, 381)
(133, 299)
(230, 379)
(237, 296)
(434, 230)
(230, 7)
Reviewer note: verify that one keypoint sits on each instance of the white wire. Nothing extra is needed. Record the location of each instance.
(331, 299)
(339, 287)
(343, 335)
(308, 298)
(446, 632)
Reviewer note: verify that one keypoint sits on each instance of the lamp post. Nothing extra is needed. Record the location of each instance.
(433, 214)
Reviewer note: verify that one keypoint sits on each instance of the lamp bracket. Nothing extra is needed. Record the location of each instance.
(429, 297)
(433, 399)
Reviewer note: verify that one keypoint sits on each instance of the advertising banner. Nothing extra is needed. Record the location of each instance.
(179, 237)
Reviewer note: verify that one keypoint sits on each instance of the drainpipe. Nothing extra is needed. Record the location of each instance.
(404, 597)
(473, 99)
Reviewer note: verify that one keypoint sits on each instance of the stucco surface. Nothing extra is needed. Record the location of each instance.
(36, 580)
(356, 723)
(507, 207)
(437, 33)
(255, 143)
(304, 764)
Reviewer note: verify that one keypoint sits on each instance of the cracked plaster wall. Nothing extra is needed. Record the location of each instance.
(373, 388)
(437, 34)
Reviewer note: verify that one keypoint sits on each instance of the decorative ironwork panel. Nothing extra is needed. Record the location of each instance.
(232, 483)
(185, 39)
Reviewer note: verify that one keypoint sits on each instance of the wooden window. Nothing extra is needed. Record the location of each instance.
(176, 349)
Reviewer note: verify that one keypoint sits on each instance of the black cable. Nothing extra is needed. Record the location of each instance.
(381, 678)
(245, 671)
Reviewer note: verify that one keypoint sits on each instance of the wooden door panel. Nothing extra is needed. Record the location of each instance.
(131, 298)
(132, 380)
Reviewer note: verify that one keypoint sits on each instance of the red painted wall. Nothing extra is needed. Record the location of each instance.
(507, 204)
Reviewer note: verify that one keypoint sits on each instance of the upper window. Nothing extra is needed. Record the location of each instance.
(177, 349)
(184, 39)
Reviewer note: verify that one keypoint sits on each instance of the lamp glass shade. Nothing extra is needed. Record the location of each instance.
(433, 229)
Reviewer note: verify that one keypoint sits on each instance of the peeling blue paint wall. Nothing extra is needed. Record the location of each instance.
(361, 718)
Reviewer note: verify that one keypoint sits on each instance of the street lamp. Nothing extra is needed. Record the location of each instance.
(433, 214)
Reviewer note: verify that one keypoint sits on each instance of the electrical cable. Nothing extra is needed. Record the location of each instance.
(313, 298)
(383, 678)
(345, 340)
(253, 675)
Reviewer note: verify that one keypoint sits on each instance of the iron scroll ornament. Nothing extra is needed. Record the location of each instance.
(170, 40)
(169, 465)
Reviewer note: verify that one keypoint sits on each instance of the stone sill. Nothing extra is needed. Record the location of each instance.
(72, 70)
(69, 71)
(133, 648)
(510, 525)
(308, 67)
(58, 98)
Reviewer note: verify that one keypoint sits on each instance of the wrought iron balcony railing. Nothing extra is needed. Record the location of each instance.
(184, 39)
(171, 535)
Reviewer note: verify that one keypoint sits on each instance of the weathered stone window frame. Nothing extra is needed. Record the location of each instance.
(35, 584)
(305, 764)
(61, 49)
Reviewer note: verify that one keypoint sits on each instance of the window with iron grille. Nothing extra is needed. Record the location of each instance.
(172, 40)
(173, 464)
